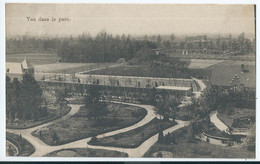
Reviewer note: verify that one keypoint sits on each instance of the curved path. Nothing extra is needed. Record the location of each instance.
(16, 149)
(222, 126)
(217, 122)
(36, 142)
(41, 148)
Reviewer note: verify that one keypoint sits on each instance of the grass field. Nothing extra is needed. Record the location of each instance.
(237, 113)
(33, 58)
(86, 152)
(70, 67)
(201, 64)
(142, 71)
(197, 149)
(79, 127)
(135, 137)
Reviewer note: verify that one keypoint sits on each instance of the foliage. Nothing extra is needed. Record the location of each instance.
(250, 140)
(23, 98)
(97, 109)
(101, 48)
(166, 107)
(61, 95)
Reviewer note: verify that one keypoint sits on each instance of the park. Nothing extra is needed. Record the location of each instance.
(131, 96)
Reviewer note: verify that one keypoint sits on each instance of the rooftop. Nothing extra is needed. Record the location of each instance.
(223, 74)
(13, 68)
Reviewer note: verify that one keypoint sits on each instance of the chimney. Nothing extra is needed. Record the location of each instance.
(242, 68)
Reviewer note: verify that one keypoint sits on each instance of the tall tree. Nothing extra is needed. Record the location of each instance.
(61, 96)
(30, 96)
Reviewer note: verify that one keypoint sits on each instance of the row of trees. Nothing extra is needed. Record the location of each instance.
(23, 99)
(107, 48)
(101, 48)
(25, 44)
(235, 45)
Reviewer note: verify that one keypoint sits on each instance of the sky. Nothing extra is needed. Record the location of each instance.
(134, 19)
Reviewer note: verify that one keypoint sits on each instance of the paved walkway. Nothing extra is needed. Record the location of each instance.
(16, 149)
(223, 127)
(202, 85)
(217, 122)
(41, 148)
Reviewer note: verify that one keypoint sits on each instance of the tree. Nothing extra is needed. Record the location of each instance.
(92, 95)
(61, 96)
(55, 137)
(160, 136)
(166, 108)
(97, 109)
(9, 97)
(159, 40)
(172, 37)
(30, 96)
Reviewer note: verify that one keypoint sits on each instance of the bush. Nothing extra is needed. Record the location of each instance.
(93, 139)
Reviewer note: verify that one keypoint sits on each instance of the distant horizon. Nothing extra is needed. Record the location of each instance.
(250, 35)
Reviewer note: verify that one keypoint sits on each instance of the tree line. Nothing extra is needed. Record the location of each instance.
(101, 48)
(240, 45)
(23, 99)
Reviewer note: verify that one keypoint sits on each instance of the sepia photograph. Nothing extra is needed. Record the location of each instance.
(130, 80)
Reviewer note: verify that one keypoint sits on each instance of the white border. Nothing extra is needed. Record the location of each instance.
(2, 77)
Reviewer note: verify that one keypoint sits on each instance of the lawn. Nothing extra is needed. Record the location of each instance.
(141, 70)
(135, 137)
(69, 67)
(25, 148)
(197, 149)
(53, 113)
(79, 127)
(201, 64)
(85, 152)
(33, 58)
(228, 118)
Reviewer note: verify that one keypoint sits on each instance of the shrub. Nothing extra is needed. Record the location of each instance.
(93, 139)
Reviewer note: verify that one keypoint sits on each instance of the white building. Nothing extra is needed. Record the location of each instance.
(17, 70)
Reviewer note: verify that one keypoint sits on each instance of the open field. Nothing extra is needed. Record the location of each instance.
(201, 64)
(79, 126)
(250, 57)
(197, 149)
(141, 70)
(86, 152)
(24, 147)
(135, 137)
(70, 67)
(34, 58)
(228, 118)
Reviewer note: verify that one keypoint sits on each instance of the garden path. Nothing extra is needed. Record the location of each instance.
(217, 122)
(41, 148)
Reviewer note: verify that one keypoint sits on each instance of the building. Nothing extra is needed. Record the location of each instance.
(17, 70)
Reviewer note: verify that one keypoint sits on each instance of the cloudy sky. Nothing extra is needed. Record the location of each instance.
(129, 19)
